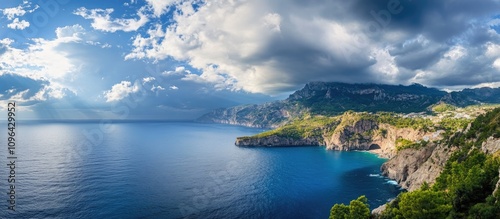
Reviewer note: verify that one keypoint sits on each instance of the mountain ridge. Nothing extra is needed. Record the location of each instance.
(335, 98)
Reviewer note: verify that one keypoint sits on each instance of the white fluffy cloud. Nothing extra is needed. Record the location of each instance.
(101, 20)
(148, 79)
(161, 6)
(42, 62)
(11, 13)
(18, 24)
(14, 14)
(42, 59)
(120, 91)
(173, 87)
(157, 88)
(74, 32)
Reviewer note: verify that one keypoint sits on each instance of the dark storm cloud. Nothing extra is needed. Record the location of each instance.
(12, 84)
(417, 54)
(437, 20)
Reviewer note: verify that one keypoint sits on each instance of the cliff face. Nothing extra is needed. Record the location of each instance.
(412, 167)
(358, 136)
(349, 135)
(491, 145)
(372, 136)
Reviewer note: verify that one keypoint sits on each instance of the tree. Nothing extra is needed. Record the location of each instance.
(339, 211)
(424, 204)
(357, 209)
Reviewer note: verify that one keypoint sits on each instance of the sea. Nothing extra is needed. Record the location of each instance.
(103, 169)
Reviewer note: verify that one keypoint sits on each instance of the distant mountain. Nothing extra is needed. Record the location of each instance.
(268, 115)
(469, 97)
(333, 98)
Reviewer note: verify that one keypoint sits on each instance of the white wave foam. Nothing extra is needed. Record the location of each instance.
(393, 182)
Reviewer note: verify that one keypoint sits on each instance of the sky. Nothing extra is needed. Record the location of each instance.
(178, 59)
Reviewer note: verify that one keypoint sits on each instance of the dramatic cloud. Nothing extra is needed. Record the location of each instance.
(43, 58)
(185, 57)
(120, 91)
(101, 20)
(270, 47)
(27, 91)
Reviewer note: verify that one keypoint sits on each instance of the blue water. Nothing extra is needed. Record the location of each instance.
(175, 170)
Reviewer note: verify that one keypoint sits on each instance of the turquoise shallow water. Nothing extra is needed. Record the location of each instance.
(175, 170)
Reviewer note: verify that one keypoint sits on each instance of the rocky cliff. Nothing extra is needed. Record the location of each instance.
(412, 167)
(352, 131)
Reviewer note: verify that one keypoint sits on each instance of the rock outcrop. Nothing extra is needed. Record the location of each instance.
(412, 167)
(372, 136)
(358, 136)
(491, 145)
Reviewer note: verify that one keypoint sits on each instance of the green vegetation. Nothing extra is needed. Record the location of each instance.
(394, 119)
(465, 187)
(402, 144)
(463, 190)
(405, 122)
(419, 204)
(305, 127)
(357, 209)
(483, 127)
(451, 125)
(383, 132)
(442, 107)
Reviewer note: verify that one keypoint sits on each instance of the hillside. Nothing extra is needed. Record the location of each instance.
(382, 133)
(333, 99)
(466, 184)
